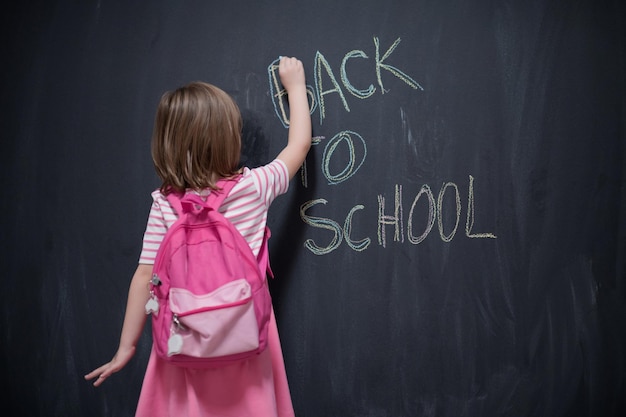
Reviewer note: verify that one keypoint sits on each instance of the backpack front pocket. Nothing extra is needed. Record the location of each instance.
(219, 323)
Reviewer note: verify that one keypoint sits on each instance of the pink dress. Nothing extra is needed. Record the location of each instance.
(256, 387)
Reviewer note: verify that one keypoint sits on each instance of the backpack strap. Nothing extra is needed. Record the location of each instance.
(183, 202)
(174, 198)
(264, 254)
(217, 197)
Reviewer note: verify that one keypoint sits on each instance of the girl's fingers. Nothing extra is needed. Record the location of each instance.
(102, 373)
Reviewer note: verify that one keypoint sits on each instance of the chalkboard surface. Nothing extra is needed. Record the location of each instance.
(454, 245)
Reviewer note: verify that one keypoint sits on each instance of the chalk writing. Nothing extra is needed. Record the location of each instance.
(322, 63)
(338, 233)
(325, 84)
(357, 245)
(431, 215)
(457, 199)
(435, 213)
(323, 70)
(362, 94)
(304, 176)
(395, 71)
(322, 223)
(395, 220)
(351, 168)
(469, 224)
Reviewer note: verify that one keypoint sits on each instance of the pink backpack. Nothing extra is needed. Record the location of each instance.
(210, 302)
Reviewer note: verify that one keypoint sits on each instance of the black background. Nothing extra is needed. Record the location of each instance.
(524, 100)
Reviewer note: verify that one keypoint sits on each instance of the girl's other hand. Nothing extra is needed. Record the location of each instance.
(120, 360)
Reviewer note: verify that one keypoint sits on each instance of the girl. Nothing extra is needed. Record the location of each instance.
(196, 142)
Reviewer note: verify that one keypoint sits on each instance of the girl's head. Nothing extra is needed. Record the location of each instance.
(197, 137)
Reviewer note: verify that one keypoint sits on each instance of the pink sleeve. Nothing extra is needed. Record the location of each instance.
(271, 180)
(155, 231)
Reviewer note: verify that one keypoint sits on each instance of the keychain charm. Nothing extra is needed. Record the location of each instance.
(174, 344)
(152, 306)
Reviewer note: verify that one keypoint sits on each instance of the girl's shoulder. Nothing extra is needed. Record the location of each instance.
(266, 182)
(157, 197)
(274, 171)
(274, 174)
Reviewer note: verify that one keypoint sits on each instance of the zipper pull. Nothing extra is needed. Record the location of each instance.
(177, 323)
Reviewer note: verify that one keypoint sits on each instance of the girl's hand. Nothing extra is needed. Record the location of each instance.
(134, 321)
(120, 360)
(291, 72)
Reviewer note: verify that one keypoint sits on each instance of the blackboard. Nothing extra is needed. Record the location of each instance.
(453, 247)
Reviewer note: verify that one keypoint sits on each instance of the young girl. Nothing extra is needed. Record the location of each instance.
(196, 142)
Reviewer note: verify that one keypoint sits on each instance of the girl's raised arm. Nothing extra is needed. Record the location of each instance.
(291, 73)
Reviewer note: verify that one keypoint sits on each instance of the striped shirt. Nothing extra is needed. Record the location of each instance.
(246, 207)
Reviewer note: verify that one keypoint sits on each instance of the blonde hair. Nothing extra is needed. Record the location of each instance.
(196, 138)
